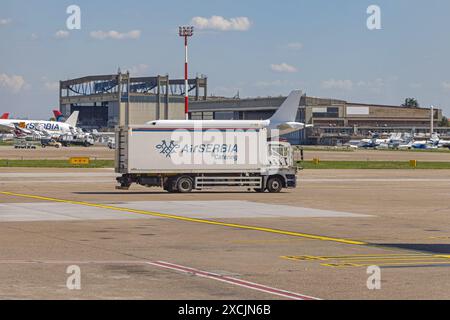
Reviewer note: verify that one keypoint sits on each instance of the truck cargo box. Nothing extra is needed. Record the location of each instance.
(151, 149)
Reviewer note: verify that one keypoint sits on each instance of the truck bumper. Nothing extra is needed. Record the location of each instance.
(291, 181)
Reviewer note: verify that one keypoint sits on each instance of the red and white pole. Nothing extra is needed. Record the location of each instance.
(186, 84)
(186, 32)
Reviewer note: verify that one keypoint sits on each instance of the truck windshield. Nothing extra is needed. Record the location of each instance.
(280, 155)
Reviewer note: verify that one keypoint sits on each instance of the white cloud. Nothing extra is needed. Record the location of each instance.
(337, 84)
(225, 91)
(139, 69)
(50, 85)
(375, 86)
(274, 83)
(283, 67)
(371, 84)
(4, 22)
(101, 35)
(13, 83)
(446, 85)
(62, 34)
(295, 45)
(279, 84)
(222, 24)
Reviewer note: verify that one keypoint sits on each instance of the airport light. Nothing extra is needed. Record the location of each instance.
(432, 122)
(186, 32)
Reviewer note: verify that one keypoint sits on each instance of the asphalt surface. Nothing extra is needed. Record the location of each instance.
(315, 241)
(103, 153)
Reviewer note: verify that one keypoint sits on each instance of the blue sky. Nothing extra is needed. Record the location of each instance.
(320, 46)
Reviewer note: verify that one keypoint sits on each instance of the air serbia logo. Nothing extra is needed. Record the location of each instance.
(217, 151)
(167, 148)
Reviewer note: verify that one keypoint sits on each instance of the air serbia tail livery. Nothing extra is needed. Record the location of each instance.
(58, 115)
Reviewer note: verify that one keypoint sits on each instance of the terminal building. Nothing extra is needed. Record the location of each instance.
(106, 101)
(335, 121)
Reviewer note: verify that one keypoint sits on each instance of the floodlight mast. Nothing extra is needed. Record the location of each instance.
(431, 121)
(186, 32)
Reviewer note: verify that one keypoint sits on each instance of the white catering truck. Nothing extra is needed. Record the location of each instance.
(186, 155)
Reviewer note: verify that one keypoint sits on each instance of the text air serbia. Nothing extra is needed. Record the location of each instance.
(218, 152)
(210, 148)
(49, 126)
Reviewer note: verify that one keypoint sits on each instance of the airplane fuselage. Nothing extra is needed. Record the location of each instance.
(49, 126)
(275, 128)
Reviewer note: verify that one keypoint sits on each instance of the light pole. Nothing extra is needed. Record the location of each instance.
(432, 122)
(186, 32)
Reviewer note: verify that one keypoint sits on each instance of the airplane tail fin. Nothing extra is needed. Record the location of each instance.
(289, 109)
(73, 119)
(5, 116)
(58, 115)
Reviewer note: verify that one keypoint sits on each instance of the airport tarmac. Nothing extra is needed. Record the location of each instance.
(104, 153)
(51, 153)
(314, 242)
(376, 155)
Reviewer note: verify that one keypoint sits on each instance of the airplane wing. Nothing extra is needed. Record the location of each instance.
(7, 127)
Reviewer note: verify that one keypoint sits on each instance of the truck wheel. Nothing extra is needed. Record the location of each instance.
(185, 185)
(274, 185)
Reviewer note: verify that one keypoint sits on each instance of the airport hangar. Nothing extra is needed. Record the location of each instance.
(103, 102)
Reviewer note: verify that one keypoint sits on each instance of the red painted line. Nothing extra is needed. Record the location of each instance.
(234, 281)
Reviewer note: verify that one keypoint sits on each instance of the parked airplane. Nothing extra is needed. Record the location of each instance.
(444, 144)
(103, 137)
(433, 143)
(49, 128)
(281, 123)
(21, 132)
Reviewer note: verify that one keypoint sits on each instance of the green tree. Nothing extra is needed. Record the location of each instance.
(444, 122)
(411, 103)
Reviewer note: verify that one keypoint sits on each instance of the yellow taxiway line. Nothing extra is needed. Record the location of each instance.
(181, 218)
(379, 260)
